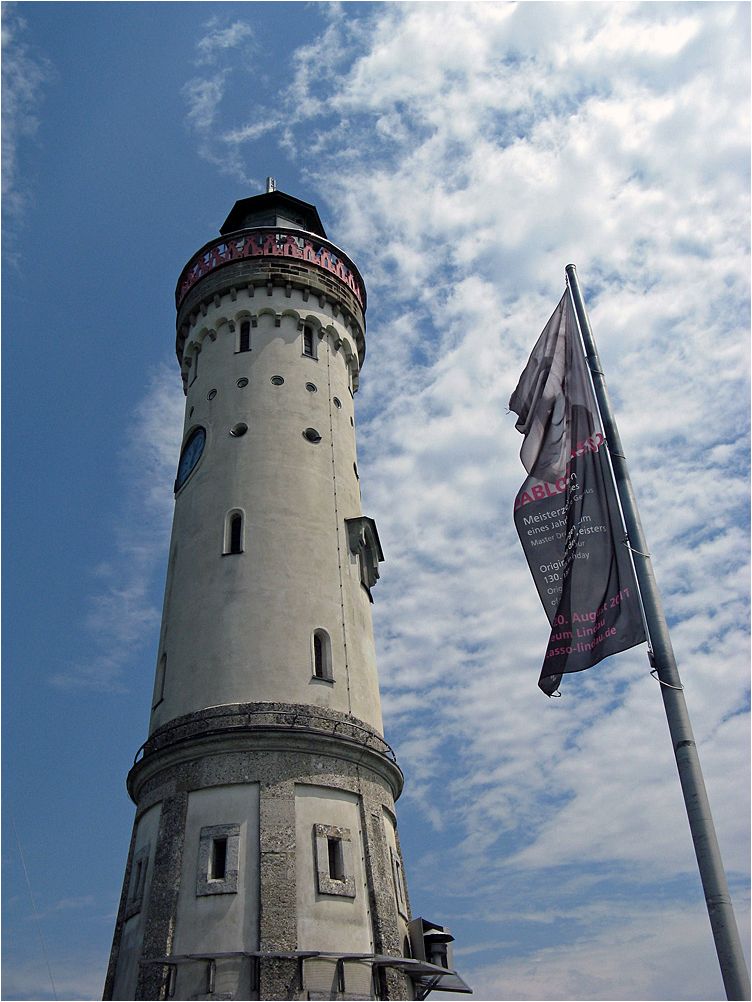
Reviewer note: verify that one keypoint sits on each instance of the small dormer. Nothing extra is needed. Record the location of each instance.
(273, 208)
(364, 543)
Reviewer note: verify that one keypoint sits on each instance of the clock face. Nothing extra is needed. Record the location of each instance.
(190, 456)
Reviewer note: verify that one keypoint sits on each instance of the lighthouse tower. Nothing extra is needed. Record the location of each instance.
(264, 861)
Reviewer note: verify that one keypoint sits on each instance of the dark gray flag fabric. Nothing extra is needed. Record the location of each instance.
(566, 512)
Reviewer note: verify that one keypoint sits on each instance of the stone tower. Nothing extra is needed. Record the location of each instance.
(264, 861)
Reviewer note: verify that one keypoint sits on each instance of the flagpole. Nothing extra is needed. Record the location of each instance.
(725, 933)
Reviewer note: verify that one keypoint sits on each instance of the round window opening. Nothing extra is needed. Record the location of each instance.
(337, 402)
(238, 430)
(211, 394)
(311, 387)
(277, 380)
(242, 382)
(312, 435)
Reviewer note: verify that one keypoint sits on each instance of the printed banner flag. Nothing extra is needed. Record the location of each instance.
(566, 512)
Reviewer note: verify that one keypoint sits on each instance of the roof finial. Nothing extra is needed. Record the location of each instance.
(271, 184)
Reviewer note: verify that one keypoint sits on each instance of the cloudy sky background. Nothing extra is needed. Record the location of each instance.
(462, 155)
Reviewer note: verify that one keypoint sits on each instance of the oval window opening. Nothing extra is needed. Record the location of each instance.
(311, 387)
(337, 402)
(312, 435)
(211, 394)
(242, 382)
(238, 430)
(277, 380)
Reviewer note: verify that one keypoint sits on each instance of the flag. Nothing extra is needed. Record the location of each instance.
(566, 512)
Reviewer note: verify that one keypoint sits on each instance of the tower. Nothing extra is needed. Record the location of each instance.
(264, 861)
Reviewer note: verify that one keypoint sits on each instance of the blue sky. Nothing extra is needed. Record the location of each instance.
(462, 155)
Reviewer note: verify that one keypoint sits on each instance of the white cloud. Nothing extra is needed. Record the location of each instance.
(24, 73)
(203, 97)
(218, 40)
(122, 615)
(625, 957)
(205, 94)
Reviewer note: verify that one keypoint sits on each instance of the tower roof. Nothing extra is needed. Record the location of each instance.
(273, 208)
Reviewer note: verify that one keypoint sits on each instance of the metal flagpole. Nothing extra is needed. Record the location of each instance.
(725, 933)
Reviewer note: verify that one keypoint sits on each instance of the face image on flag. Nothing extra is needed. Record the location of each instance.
(566, 512)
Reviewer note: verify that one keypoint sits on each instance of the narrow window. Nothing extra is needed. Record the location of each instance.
(400, 882)
(336, 858)
(194, 371)
(322, 655)
(318, 656)
(244, 343)
(138, 879)
(233, 538)
(159, 682)
(333, 851)
(218, 861)
(137, 882)
(308, 342)
(236, 533)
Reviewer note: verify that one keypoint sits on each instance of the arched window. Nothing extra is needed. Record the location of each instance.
(244, 343)
(309, 342)
(236, 533)
(322, 656)
(233, 542)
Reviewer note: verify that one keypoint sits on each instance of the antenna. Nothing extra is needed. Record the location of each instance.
(271, 184)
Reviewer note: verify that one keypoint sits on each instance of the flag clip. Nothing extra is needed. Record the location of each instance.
(638, 552)
(654, 673)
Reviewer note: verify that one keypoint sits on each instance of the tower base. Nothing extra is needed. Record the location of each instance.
(264, 861)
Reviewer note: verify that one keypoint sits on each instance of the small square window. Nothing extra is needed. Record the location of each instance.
(334, 862)
(218, 860)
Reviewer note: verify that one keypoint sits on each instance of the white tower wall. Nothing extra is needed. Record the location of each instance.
(264, 861)
(240, 629)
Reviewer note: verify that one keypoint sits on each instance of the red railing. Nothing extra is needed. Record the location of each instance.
(271, 241)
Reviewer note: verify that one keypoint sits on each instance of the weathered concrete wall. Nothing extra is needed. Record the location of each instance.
(278, 799)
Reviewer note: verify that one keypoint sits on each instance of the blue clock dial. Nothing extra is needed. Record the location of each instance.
(190, 456)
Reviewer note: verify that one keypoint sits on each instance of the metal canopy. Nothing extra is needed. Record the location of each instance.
(427, 977)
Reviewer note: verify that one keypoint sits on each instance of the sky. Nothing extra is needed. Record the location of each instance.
(462, 155)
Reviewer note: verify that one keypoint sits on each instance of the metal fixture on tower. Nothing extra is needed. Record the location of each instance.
(265, 861)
